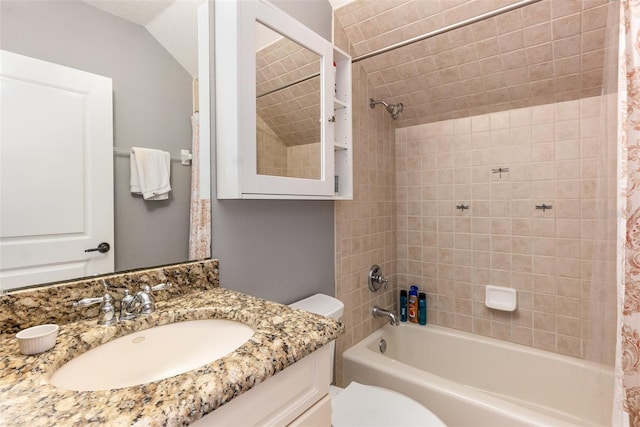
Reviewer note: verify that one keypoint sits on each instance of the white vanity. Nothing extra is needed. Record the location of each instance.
(297, 396)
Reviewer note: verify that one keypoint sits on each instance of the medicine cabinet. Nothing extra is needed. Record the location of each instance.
(283, 107)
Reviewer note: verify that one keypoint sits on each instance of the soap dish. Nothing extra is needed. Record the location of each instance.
(37, 339)
(500, 298)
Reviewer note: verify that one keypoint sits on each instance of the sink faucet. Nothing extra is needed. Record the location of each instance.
(140, 304)
(107, 315)
(380, 312)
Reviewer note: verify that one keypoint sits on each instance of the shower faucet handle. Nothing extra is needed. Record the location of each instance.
(376, 279)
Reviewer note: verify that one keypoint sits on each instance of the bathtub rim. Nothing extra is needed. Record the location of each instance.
(366, 353)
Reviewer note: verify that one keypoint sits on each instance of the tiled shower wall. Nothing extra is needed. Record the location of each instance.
(365, 225)
(552, 155)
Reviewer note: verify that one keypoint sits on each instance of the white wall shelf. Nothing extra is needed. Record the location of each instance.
(343, 147)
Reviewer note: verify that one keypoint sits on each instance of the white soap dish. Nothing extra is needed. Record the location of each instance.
(500, 298)
(37, 339)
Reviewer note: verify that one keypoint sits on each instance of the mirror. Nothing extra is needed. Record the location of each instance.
(152, 70)
(287, 107)
(275, 133)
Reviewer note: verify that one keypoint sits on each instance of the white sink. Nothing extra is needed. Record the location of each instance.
(151, 355)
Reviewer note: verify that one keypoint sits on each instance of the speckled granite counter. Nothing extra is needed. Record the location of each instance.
(282, 337)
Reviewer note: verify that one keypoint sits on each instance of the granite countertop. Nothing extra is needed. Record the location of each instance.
(282, 337)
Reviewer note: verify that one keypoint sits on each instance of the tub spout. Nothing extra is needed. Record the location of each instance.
(380, 312)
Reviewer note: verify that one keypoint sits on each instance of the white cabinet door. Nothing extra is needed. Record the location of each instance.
(56, 172)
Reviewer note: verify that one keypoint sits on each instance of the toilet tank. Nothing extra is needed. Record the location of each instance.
(321, 304)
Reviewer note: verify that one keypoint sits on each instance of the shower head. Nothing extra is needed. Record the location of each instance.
(393, 109)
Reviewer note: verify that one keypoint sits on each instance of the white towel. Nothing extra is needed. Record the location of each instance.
(150, 173)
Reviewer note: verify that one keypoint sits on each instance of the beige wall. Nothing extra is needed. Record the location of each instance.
(364, 226)
(554, 157)
(272, 153)
(303, 161)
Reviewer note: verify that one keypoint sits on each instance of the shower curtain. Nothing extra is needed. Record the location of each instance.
(627, 391)
(200, 221)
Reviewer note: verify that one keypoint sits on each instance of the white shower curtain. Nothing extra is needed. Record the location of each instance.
(200, 222)
(627, 391)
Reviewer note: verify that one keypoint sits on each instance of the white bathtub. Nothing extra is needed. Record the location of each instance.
(469, 380)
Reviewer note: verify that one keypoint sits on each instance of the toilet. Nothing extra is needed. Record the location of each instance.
(366, 405)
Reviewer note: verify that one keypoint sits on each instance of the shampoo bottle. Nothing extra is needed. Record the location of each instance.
(422, 308)
(413, 304)
(403, 305)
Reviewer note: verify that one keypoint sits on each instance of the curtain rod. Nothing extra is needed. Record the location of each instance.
(293, 83)
(446, 29)
(419, 38)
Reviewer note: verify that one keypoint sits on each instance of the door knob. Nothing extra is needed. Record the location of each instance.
(103, 247)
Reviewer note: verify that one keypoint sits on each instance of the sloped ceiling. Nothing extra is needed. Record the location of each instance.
(172, 22)
(544, 52)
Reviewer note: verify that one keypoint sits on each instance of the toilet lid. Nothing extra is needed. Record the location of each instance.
(364, 405)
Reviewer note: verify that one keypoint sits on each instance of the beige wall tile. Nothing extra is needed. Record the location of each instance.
(504, 240)
(405, 218)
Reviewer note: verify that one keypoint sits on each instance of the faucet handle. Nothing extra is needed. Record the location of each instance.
(86, 302)
(160, 286)
(146, 288)
(107, 315)
(376, 278)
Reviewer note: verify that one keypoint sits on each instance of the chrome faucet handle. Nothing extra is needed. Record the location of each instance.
(107, 315)
(376, 278)
(161, 286)
(86, 302)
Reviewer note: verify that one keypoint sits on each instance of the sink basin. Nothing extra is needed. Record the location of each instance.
(151, 355)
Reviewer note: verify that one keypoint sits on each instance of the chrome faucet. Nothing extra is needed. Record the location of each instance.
(380, 312)
(140, 304)
(126, 305)
(107, 315)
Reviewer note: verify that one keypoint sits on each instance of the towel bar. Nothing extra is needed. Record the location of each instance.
(185, 155)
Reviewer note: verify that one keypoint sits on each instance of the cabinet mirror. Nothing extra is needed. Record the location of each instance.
(287, 107)
(274, 127)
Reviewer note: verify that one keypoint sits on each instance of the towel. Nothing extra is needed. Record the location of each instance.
(150, 173)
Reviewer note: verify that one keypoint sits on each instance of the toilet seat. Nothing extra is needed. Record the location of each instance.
(365, 405)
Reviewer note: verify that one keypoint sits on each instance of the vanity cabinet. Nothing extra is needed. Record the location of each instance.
(283, 114)
(296, 396)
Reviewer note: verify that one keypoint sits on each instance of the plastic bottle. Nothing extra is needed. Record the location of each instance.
(413, 304)
(403, 305)
(422, 308)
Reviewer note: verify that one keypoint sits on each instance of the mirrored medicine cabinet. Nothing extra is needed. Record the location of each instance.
(283, 113)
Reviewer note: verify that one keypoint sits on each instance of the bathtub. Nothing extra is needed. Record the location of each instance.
(470, 380)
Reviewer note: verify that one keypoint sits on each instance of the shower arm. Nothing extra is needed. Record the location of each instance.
(373, 102)
(393, 109)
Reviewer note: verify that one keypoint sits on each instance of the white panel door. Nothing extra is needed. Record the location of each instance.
(56, 172)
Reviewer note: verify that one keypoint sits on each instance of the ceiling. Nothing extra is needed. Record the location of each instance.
(171, 22)
(545, 52)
